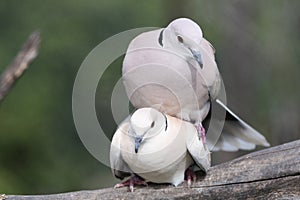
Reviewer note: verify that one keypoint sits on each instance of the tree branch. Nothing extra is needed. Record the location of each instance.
(267, 174)
(28, 52)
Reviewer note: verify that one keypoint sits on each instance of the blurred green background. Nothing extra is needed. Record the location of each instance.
(258, 54)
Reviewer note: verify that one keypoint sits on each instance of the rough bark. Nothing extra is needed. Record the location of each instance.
(272, 173)
(28, 52)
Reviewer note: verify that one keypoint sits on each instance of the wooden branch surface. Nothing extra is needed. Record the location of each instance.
(272, 173)
(28, 52)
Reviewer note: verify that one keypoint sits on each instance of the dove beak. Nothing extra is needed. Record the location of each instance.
(137, 143)
(197, 56)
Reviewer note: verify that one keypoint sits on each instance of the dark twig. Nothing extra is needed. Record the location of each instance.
(28, 52)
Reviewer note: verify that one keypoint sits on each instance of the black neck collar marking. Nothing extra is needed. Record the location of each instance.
(166, 119)
(160, 38)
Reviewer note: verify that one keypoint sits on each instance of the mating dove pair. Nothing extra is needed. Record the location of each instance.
(174, 71)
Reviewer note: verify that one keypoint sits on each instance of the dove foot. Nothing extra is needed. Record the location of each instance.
(133, 180)
(201, 133)
(190, 176)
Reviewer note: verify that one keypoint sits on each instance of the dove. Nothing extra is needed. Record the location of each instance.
(152, 146)
(173, 69)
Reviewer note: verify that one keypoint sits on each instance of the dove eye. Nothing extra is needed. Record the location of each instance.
(152, 124)
(180, 39)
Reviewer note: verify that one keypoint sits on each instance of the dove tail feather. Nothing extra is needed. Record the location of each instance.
(237, 134)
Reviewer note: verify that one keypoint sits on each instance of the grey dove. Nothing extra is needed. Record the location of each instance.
(156, 147)
(173, 69)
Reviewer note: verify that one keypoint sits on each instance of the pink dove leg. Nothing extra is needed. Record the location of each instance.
(190, 176)
(201, 132)
(133, 180)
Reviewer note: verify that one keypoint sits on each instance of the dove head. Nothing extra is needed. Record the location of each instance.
(146, 123)
(186, 30)
(185, 36)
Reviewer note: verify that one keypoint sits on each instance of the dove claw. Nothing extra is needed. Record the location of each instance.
(190, 176)
(133, 180)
